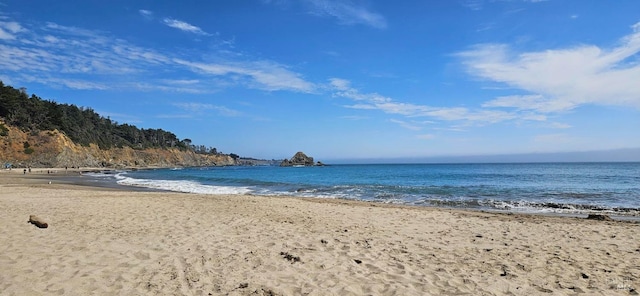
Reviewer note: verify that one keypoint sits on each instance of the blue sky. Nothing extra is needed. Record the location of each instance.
(341, 79)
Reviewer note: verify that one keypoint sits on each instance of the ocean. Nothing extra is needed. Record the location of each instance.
(573, 188)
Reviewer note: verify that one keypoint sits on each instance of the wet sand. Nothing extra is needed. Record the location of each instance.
(114, 241)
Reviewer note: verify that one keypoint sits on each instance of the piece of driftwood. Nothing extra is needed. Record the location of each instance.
(33, 219)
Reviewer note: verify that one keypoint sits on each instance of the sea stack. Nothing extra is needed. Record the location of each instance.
(300, 159)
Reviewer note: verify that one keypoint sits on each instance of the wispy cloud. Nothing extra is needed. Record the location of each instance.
(146, 13)
(261, 74)
(73, 57)
(407, 125)
(354, 117)
(561, 79)
(74, 31)
(374, 101)
(187, 27)
(184, 26)
(77, 58)
(479, 4)
(347, 12)
(197, 108)
(559, 125)
(473, 4)
(8, 30)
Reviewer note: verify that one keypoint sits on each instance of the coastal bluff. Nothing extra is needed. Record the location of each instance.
(55, 149)
(300, 159)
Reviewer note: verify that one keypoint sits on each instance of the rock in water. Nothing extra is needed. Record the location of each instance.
(33, 219)
(300, 159)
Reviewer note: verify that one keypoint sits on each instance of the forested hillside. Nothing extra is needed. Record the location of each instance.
(82, 125)
(42, 133)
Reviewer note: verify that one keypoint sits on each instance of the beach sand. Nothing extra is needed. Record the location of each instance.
(103, 241)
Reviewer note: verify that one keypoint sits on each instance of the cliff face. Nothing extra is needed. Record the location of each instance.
(54, 149)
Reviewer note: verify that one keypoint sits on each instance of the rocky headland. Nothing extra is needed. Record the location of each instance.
(54, 149)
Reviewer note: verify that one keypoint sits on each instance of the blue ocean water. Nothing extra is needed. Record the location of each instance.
(530, 187)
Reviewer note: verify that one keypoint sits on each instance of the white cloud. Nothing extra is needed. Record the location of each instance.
(200, 107)
(8, 30)
(175, 116)
(74, 31)
(340, 84)
(181, 81)
(529, 102)
(562, 79)
(560, 125)
(261, 74)
(473, 4)
(347, 13)
(407, 125)
(354, 117)
(374, 101)
(167, 86)
(78, 84)
(70, 57)
(51, 39)
(184, 26)
(67, 51)
(479, 4)
(146, 13)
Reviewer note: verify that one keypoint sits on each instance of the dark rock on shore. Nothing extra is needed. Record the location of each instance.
(599, 217)
(33, 219)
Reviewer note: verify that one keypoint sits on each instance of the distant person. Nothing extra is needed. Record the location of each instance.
(24, 171)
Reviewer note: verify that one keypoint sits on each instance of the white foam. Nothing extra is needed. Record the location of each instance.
(103, 174)
(181, 186)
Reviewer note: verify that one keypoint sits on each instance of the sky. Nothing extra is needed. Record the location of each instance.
(349, 79)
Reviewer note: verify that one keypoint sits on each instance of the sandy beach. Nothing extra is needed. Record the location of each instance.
(103, 241)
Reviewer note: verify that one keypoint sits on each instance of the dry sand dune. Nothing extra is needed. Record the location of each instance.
(110, 242)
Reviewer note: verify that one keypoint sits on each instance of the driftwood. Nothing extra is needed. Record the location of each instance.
(33, 219)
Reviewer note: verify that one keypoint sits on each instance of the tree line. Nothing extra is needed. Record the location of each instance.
(82, 125)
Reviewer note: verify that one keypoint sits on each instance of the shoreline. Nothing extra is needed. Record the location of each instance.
(106, 241)
(76, 177)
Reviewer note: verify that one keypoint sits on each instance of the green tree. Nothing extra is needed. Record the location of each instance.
(82, 125)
